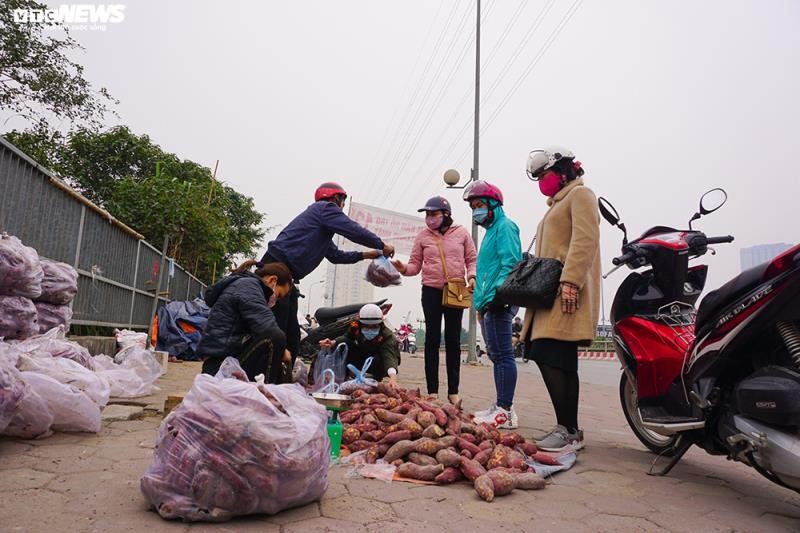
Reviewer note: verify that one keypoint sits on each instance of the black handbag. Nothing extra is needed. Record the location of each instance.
(533, 283)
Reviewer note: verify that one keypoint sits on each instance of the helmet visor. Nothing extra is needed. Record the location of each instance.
(538, 162)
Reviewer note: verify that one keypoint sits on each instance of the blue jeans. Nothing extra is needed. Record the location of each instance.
(496, 328)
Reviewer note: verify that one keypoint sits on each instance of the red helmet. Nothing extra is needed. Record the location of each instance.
(328, 190)
(483, 189)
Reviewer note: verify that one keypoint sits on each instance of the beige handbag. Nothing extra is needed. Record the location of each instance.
(455, 293)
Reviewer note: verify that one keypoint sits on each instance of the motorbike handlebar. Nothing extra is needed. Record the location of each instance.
(624, 258)
(719, 240)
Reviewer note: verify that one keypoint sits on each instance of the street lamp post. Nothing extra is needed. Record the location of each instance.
(310, 289)
(451, 177)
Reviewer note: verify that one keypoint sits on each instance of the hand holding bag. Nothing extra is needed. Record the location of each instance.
(456, 293)
(533, 283)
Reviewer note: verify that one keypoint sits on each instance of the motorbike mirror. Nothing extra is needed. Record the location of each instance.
(612, 217)
(712, 200)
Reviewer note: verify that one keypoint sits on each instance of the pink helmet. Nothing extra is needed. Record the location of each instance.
(483, 189)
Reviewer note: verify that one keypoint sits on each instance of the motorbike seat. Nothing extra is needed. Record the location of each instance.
(325, 315)
(716, 300)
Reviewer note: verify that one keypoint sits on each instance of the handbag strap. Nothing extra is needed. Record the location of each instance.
(531, 246)
(444, 263)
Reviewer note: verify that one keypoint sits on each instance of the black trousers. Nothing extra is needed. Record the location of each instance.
(434, 311)
(259, 355)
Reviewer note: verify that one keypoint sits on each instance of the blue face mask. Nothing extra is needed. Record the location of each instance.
(370, 334)
(480, 214)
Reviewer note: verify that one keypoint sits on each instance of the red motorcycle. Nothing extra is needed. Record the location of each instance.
(724, 376)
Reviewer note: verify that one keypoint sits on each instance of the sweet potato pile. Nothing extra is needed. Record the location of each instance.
(430, 440)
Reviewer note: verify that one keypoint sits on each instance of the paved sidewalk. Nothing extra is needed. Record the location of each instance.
(76, 483)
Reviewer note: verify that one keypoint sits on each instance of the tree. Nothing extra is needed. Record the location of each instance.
(37, 80)
(208, 223)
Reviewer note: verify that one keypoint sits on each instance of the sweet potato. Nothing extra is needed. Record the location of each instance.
(450, 410)
(450, 475)
(375, 399)
(511, 439)
(412, 426)
(399, 450)
(503, 482)
(498, 458)
(388, 417)
(350, 435)
(464, 444)
(529, 481)
(422, 473)
(349, 417)
(483, 457)
(448, 458)
(466, 453)
(487, 445)
(397, 462)
(359, 445)
(358, 393)
(484, 487)
(546, 459)
(448, 441)
(433, 431)
(373, 436)
(384, 388)
(428, 446)
(469, 437)
(528, 448)
(471, 469)
(441, 416)
(396, 436)
(372, 455)
(426, 419)
(517, 460)
(369, 418)
(413, 412)
(453, 426)
(422, 460)
(393, 403)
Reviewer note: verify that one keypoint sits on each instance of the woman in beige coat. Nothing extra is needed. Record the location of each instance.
(569, 232)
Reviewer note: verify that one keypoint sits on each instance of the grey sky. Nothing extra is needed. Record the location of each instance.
(660, 101)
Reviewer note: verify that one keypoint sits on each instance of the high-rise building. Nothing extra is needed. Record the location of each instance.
(756, 255)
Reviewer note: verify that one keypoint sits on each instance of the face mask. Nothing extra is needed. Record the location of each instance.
(434, 222)
(480, 214)
(550, 184)
(370, 334)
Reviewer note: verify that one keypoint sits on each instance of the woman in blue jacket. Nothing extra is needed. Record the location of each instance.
(499, 254)
(307, 240)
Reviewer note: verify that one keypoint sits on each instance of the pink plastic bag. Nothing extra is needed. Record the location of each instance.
(51, 316)
(237, 448)
(18, 318)
(20, 270)
(59, 283)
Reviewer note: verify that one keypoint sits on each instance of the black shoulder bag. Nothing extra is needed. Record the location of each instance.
(533, 283)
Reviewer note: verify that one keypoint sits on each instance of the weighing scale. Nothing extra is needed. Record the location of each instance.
(334, 403)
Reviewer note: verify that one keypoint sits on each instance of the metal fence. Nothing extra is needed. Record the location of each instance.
(117, 268)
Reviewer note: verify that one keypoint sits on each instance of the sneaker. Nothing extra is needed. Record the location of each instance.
(455, 400)
(560, 439)
(484, 412)
(500, 418)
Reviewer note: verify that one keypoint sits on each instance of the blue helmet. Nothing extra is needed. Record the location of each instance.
(437, 203)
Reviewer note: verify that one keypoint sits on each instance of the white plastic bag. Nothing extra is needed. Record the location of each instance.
(237, 448)
(103, 362)
(126, 337)
(32, 418)
(382, 273)
(143, 363)
(20, 269)
(59, 283)
(51, 344)
(50, 316)
(71, 373)
(300, 373)
(125, 383)
(12, 388)
(18, 317)
(72, 409)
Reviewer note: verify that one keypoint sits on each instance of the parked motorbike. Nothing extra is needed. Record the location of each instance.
(724, 376)
(333, 322)
(412, 344)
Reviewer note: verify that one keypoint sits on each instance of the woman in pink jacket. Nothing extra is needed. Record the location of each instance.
(441, 238)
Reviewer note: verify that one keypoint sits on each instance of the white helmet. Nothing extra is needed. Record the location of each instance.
(541, 160)
(370, 315)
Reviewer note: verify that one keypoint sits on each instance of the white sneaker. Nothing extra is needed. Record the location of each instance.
(500, 418)
(485, 412)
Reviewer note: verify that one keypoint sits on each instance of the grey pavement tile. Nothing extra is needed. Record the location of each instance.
(613, 523)
(355, 509)
(298, 514)
(24, 478)
(323, 525)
